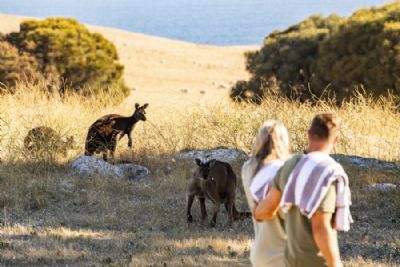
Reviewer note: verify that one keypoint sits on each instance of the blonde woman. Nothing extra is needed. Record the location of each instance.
(270, 150)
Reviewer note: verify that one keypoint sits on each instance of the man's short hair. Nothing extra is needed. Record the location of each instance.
(325, 126)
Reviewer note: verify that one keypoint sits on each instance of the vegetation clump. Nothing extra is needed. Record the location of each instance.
(16, 66)
(326, 57)
(67, 54)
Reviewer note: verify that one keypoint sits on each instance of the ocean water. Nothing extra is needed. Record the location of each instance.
(217, 22)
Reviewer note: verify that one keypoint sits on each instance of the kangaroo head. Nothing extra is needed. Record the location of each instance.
(70, 142)
(140, 112)
(204, 168)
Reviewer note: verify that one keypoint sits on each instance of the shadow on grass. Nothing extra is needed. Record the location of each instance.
(109, 221)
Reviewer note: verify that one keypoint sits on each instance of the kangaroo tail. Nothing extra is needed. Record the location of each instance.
(245, 214)
(240, 215)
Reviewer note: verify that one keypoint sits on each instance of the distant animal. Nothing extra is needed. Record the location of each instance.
(216, 181)
(43, 138)
(104, 133)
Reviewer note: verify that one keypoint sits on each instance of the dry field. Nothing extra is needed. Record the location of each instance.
(50, 217)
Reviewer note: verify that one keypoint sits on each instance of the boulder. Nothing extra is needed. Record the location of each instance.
(368, 163)
(88, 167)
(384, 187)
(223, 154)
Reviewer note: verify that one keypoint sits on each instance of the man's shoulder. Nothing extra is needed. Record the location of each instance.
(284, 173)
(292, 162)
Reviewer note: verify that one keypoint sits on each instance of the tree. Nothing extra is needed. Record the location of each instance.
(363, 51)
(333, 54)
(15, 66)
(67, 52)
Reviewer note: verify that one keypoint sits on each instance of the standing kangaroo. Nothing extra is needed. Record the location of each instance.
(103, 133)
(216, 181)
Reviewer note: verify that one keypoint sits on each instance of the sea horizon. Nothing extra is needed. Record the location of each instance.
(220, 22)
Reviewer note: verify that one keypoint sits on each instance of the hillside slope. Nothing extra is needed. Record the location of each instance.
(162, 70)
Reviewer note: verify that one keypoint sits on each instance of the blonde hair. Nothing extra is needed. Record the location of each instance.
(270, 143)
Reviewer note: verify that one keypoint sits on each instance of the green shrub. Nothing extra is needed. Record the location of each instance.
(324, 57)
(68, 53)
(364, 51)
(15, 66)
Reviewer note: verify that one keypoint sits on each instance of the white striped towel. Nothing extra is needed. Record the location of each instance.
(309, 182)
(260, 184)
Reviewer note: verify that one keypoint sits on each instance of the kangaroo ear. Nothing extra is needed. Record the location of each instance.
(198, 162)
(145, 106)
(137, 105)
(71, 140)
(211, 163)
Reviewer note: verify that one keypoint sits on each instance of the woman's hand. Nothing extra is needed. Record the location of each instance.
(254, 210)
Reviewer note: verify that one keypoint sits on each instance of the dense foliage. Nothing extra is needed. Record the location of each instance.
(15, 66)
(68, 54)
(324, 57)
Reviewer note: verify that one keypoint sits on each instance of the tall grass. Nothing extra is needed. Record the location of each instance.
(64, 219)
(370, 126)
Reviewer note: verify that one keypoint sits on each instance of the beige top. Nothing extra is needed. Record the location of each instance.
(270, 238)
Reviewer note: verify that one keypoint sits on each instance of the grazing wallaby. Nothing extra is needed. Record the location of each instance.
(103, 134)
(216, 181)
(45, 138)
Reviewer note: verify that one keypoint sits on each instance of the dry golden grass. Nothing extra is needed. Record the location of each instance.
(370, 126)
(51, 217)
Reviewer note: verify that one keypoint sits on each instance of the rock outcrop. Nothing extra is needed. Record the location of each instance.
(223, 154)
(88, 167)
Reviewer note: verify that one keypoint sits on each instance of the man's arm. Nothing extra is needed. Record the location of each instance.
(325, 238)
(267, 208)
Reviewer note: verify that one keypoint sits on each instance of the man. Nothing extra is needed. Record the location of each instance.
(311, 188)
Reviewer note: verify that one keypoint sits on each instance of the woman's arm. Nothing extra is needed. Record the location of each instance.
(267, 208)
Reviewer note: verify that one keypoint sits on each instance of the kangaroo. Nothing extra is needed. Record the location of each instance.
(104, 133)
(43, 137)
(216, 181)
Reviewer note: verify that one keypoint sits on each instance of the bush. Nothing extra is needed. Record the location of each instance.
(16, 67)
(68, 53)
(364, 51)
(334, 55)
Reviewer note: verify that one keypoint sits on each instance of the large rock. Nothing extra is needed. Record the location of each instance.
(223, 154)
(384, 187)
(234, 154)
(367, 163)
(88, 167)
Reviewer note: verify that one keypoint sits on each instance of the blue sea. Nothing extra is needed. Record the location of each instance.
(217, 22)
